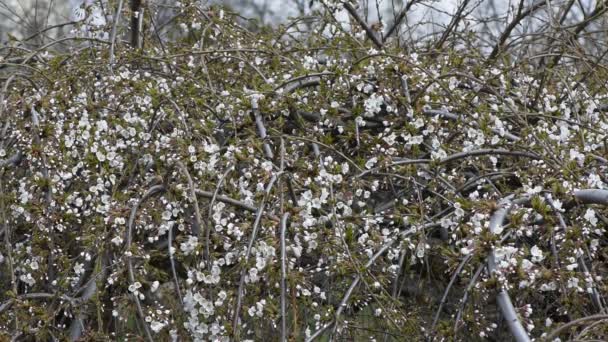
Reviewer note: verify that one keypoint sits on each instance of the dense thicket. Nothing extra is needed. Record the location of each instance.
(310, 181)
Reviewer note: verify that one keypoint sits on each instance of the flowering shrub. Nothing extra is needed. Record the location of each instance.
(241, 184)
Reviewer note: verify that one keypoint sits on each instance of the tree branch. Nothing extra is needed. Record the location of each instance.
(504, 301)
(370, 33)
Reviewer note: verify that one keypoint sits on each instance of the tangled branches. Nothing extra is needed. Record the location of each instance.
(240, 184)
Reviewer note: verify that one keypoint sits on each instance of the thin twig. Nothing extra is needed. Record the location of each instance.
(488, 151)
(463, 301)
(456, 117)
(398, 20)
(370, 33)
(447, 290)
(9, 247)
(283, 277)
(172, 262)
(77, 326)
(211, 203)
(456, 156)
(254, 231)
(152, 191)
(521, 14)
(452, 25)
(357, 278)
(193, 198)
(555, 333)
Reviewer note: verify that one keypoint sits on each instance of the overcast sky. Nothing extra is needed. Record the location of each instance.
(11, 11)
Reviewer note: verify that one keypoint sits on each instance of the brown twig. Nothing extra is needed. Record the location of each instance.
(371, 34)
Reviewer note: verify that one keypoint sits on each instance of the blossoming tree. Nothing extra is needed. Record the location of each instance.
(324, 179)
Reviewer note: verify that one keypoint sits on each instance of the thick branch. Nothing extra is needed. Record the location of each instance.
(504, 301)
(592, 196)
(226, 200)
(295, 83)
(259, 122)
(115, 31)
(137, 16)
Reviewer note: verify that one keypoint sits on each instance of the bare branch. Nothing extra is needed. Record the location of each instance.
(261, 129)
(521, 15)
(226, 200)
(592, 196)
(114, 32)
(399, 19)
(371, 34)
(453, 24)
(137, 20)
